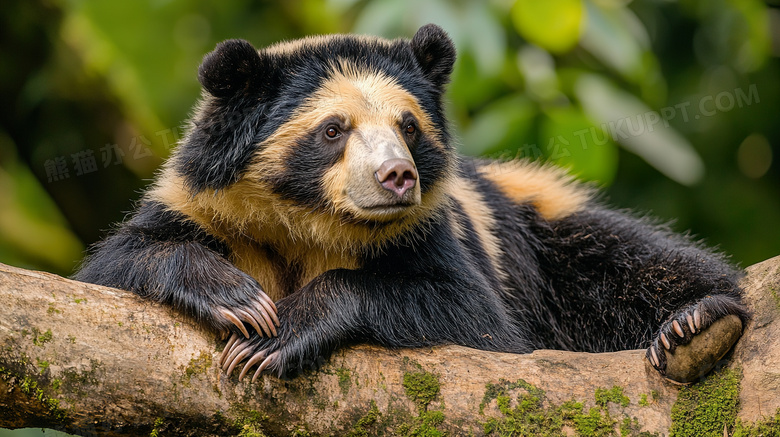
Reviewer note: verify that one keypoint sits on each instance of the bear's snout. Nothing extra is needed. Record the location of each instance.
(397, 175)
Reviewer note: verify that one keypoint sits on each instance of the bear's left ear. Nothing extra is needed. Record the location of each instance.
(233, 67)
(435, 53)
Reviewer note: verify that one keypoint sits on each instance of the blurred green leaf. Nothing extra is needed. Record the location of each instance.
(758, 42)
(538, 69)
(471, 26)
(33, 233)
(733, 32)
(573, 141)
(639, 129)
(554, 25)
(484, 38)
(469, 88)
(502, 128)
(617, 38)
(382, 17)
(114, 50)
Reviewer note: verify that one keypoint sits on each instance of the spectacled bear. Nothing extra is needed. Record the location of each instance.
(317, 201)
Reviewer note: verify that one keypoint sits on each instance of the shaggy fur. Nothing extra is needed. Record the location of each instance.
(274, 195)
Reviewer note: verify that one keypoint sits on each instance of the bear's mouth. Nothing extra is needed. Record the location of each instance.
(376, 208)
(385, 212)
(376, 218)
(388, 209)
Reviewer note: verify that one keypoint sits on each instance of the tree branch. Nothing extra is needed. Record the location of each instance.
(92, 360)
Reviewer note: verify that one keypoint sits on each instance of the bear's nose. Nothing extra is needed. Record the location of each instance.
(397, 175)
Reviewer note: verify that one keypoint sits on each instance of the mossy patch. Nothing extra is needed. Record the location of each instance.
(528, 417)
(645, 399)
(423, 388)
(196, 366)
(493, 391)
(531, 414)
(158, 423)
(705, 408)
(765, 428)
(39, 339)
(365, 424)
(776, 296)
(249, 422)
(345, 379)
(30, 387)
(596, 422)
(43, 365)
(631, 428)
(614, 395)
(425, 425)
(32, 390)
(79, 382)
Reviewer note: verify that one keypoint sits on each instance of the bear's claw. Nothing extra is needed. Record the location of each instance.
(238, 349)
(260, 313)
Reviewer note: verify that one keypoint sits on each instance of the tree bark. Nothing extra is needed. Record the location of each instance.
(91, 360)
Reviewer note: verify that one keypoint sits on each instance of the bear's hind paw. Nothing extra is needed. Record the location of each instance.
(685, 349)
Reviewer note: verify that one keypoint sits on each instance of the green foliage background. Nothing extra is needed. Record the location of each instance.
(671, 106)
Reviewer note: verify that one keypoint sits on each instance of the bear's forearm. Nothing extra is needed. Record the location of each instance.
(183, 274)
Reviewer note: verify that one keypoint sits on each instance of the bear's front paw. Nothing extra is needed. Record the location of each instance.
(259, 311)
(690, 344)
(253, 349)
(283, 356)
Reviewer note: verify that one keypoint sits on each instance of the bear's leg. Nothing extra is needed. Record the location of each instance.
(159, 257)
(619, 282)
(346, 306)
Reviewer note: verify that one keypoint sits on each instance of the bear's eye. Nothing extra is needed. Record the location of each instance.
(332, 132)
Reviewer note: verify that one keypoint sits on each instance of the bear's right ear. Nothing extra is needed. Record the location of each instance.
(234, 66)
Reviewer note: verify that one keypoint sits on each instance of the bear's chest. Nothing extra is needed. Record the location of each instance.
(282, 271)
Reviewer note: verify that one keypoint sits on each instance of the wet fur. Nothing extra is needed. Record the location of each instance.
(497, 256)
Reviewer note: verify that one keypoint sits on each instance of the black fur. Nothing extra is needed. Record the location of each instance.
(410, 296)
(233, 68)
(435, 54)
(307, 162)
(596, 280)
(160, 255)
(271, 87)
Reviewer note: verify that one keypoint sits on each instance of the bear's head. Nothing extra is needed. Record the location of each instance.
(335, 130)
